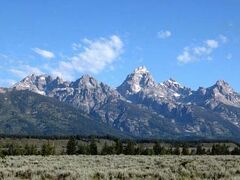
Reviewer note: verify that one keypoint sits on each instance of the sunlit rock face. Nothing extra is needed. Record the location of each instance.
(144, 108)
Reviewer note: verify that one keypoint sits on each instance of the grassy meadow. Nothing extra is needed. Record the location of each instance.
(120, 167)
(85, 158)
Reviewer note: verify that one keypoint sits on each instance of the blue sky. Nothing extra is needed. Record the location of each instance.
(195, 42)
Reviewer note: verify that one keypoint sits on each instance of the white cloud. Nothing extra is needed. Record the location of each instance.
(212, 43)
(164, 34)
(76, 46)
(185, 57)
(25, 70)
(65, 70)
(95, 57)
(202, 52)
(44, 53)
(223, 38)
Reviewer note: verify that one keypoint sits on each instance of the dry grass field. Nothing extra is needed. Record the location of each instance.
(120, 167)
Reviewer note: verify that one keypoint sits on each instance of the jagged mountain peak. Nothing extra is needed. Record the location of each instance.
(56, 84)
(172, 82)
(34, 76)
(141, 82)
(142, 76)
(223, 87)
(176, 88)
(220, 93)
(141, 69)
(59, 79)
(33, 82)
(223, 92)
(86, 81)
(86, 77)
(139, 79)
(35, 79)
(221, 82)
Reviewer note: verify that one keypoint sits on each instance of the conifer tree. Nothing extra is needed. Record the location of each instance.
(130, 148)
(118, 147)
(33, 150)
(93, 147)
(185, 150)
(157, 148)
(107, 149)
(27, 150)
(236, 151)
(47, 149)
(177, 151)
(82, 149)
(71, 146)
(200, 150)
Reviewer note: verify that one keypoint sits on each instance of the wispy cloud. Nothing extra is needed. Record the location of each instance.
(164, 34)
(3, 56)
(76, 46)
(24, 70)
(201, 52)
(44, 53)
(223, 38)
(95, 57)
(7, 82)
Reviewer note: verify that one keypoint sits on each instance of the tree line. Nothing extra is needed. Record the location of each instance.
(118, 147)
(133, 148)
(17, 150)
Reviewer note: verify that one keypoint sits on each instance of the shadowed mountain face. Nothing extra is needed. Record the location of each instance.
(27, 113)
(144, 108)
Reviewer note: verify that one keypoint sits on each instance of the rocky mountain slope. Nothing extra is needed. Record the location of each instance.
(144, 108)
(27, 113)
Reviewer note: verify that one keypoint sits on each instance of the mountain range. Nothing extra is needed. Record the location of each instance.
(139, 107)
